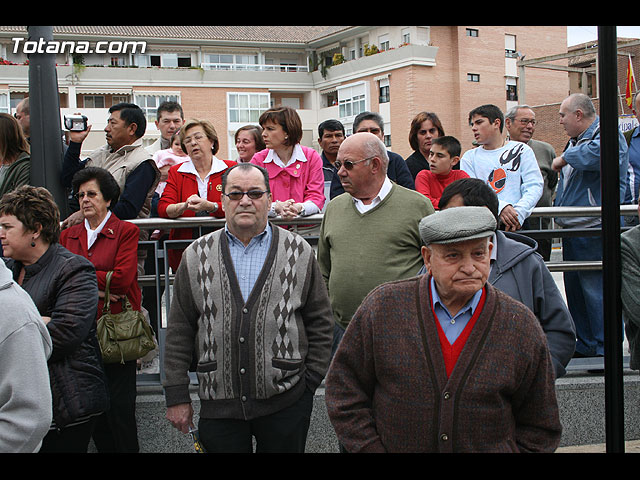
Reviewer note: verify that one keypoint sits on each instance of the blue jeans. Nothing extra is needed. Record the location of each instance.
(584, 294)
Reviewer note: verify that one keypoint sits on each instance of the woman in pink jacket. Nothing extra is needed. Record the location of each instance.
(295, 171)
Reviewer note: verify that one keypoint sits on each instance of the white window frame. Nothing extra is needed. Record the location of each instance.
(5, 107)
(244, 108)
(406, 35)
(352, 100)
(383, 42)
(150, 108)
(92, 101)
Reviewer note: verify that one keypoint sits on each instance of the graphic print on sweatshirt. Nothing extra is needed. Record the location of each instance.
(498, 176)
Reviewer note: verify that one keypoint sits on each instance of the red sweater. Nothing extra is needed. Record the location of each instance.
(431, 185)
(451, 352)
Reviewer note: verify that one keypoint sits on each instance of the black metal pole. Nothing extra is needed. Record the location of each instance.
(44, 110)
(610, 185)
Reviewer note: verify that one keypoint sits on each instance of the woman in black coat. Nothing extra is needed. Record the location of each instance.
(64, 288)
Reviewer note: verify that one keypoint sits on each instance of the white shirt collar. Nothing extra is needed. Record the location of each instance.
(92, 235)
(296, 155)
(384, 191)
(217, 165)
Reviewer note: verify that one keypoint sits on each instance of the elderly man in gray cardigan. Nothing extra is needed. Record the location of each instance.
(444, 362)
(249, 300)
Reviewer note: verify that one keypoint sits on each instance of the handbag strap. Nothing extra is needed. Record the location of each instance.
(107, 302)
(106, 308)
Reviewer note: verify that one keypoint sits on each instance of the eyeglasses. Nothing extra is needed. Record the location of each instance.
(197, 137)
(348, 164)
(81, 195)
(252, 194)
(527, 121)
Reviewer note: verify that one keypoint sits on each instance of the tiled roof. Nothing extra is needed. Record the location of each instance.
(258, 33)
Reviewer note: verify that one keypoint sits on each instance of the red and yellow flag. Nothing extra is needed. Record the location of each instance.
(630, 82)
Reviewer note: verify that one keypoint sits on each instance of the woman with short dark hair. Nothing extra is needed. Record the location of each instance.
(110, 244)
(425, 126)
(64, 289)
(295, 171)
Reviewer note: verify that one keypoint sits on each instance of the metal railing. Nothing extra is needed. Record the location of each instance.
(253, 67)
(163, 280)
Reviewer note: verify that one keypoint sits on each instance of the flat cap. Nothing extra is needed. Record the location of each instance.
(457, 224)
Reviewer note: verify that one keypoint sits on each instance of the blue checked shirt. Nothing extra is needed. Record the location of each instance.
(248, 261)
(453, 326)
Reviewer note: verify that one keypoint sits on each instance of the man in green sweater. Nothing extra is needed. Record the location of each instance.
(369, 235)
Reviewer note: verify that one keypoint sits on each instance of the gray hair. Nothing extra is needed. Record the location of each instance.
(513, 111)
(582, 102)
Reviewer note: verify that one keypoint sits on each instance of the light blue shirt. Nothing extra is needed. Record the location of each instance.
(248, 261)
(452, 326)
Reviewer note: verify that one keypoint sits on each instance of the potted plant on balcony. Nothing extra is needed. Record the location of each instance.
(370, 50)
(338, 58)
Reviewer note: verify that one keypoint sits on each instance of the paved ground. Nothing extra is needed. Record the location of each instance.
(632, 446)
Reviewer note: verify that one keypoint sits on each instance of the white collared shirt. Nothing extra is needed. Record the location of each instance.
(384, 191)
(217, 165)
(297, 155)
(92, 235)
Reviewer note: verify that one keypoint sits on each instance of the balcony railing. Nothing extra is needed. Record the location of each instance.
(254, 67)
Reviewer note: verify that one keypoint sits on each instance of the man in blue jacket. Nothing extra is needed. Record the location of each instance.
(520, 272)
(579, 185)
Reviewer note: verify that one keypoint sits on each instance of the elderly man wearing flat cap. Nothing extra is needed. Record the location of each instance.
(444, 362)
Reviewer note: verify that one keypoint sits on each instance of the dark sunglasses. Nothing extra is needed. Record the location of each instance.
(348, 164)
(252, 194)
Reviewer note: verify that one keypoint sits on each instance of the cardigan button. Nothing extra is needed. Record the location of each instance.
(242, 370)
(446, 395)
(244, 310)
(444, 437)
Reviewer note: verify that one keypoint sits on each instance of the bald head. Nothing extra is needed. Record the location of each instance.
(370, 146)
(363, 161)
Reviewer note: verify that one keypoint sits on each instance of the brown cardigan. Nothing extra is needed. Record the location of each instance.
(387, 388)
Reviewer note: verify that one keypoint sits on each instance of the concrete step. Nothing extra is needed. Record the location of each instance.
(581, 399)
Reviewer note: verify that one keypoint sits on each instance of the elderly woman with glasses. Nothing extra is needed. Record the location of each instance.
(194, 187)
(63, 287)
(295, 171)
(110, 244)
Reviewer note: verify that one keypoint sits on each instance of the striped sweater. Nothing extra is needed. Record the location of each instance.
(255, 357)
(388, 389)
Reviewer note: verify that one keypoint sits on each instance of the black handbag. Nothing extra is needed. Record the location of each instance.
(123, 336)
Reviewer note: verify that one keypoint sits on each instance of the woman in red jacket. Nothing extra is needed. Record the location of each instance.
(110, 244)
(194, 188)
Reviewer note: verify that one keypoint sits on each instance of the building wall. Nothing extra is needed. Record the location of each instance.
(444, 89)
